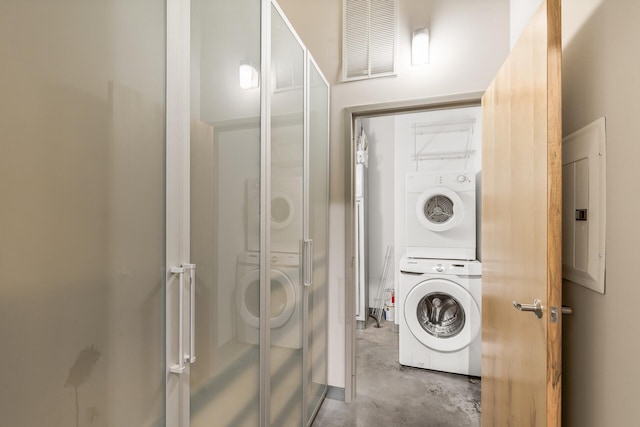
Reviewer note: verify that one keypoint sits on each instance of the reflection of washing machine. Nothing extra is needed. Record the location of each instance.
(440, 303)
(286, 214)
(441, 215)
(286, 299)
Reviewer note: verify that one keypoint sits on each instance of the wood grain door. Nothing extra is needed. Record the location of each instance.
(521, 230)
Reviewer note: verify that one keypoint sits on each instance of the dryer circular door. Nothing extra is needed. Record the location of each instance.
(283, 298)
(282, 210)
(442, 315)
(439, 209)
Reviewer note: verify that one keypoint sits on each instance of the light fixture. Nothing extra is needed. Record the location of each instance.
(420, 47)
(248, 76)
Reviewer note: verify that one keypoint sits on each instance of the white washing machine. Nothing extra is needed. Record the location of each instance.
(440, 303)
(286, 299)
(441, 215)
(286, 214)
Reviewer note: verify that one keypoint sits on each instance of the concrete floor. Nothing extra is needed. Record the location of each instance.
(390, 395)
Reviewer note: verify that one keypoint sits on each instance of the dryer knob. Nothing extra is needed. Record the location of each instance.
(274, 259)
(439, 268)
(462, 178)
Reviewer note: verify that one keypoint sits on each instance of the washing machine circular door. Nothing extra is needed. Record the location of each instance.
(283, 298)
(442, 315)
(439, 209)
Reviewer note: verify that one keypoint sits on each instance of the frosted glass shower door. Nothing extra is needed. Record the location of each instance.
(225, 211)
(252, 110)
(317, 231)
(286, 296)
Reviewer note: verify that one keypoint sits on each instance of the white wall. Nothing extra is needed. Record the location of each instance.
(380, 198)
(520, 12)
(469, 41)
(600, 78)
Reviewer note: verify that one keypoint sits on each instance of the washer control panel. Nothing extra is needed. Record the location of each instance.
(444, 267)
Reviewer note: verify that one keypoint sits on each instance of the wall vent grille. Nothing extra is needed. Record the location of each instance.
(369, 38)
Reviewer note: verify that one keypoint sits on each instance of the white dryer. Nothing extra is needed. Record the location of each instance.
(441, 215)
(286, 299)
(440, 303)
(286, 214)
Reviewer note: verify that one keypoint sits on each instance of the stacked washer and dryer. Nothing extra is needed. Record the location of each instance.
(286, 286)
(440, 294)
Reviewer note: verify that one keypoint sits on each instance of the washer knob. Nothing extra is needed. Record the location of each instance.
(439, 268)
(462, 178)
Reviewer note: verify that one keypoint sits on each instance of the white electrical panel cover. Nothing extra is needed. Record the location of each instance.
(584, 206)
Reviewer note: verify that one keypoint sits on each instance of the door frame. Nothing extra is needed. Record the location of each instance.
(469, 99)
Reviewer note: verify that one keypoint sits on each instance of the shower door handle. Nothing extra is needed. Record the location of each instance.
(191, 268)
(178, 368)
(307, 262)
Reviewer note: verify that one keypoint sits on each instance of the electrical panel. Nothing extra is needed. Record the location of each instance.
(584, 206)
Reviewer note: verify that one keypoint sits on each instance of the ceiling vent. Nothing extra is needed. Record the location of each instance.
(369, 38)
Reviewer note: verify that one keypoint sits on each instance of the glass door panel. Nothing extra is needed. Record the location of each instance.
(82, 179)
(287, 164)
(318, 165)
(225, 215)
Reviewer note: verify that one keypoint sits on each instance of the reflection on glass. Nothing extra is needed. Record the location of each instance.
(282, 211)
(318, 231)
(278, 299)
(225, 215)
(287, 151)
(82, 184)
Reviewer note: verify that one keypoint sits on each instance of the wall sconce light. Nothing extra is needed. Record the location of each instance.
(248, 76)
(420, 47)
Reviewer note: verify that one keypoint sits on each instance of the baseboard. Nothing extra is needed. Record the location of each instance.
(335, 393)
(396, 327)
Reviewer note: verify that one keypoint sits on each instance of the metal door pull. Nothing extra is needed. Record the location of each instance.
(536, 307)
(179, 367)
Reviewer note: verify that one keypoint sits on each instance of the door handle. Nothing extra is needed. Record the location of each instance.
(307, 263)
(178, 368)
(535, 308)
(191, 268)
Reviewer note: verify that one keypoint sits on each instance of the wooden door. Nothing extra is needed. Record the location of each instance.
(521, 230)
